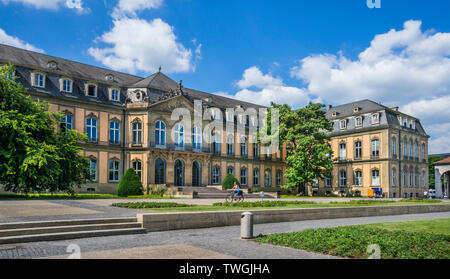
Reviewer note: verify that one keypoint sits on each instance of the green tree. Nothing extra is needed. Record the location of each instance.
(309, 155)
(431, 160)
(35, 155)
(228, 181)
(130, 184)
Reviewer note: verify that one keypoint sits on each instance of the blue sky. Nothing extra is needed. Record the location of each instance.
(286, 51)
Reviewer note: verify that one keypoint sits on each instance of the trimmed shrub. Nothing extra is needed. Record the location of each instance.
(228, 181)
(130, 185)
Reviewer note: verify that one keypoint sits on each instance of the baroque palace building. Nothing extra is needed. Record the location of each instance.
(129, 124)
(375, 147)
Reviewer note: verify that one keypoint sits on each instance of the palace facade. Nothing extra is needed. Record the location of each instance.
(129, 124)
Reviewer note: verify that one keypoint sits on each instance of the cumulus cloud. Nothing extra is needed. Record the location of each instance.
(263, 89)
(51, 4)
(131, 7)
(16, 42)
(139, 45)
(409, 68)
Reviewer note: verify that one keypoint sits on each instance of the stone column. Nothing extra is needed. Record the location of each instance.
(437, 183)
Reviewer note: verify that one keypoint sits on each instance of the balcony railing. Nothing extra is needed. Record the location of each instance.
(185, 147)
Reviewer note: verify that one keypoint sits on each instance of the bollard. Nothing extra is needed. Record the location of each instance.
(247, 225)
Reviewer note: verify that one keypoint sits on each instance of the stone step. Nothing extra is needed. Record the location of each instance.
(68, 235)
(60, 223)
(63, 229)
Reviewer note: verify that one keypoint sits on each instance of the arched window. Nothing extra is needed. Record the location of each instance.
(358, 178)
(394, 147)
(342, 151)
(179, 137)
(93, 170)
(244, 176)
(416, 150)
(91, 129)
(179, 173)
(279, 177)
(394, 177)
(196, 174)
(243, 147)
(255, 177)
(114, 132)
(256, 150)
(215, 175)
(416, 177)
(375, 177)
(424, 183)
(196, 139)
(137, 166)
(160, 134)
(66, 122)
(160, 171)
(410, 149)
(230, 144)
(268, 178)
(114, 168)
(136, 133)
(230, 170)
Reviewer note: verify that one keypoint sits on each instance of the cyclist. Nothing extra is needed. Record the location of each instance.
(237, 190)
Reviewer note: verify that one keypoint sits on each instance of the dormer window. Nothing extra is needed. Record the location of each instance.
(52, 64)
(375, 118)
(109, 77)
(230, 116)
(343, 124)
(66, 85)
(38, 80)
(358, 121)
(334, 114)
(356, 109)
(114, 94)
(91, 90)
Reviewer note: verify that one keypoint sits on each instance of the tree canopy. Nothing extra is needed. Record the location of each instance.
(35, 153)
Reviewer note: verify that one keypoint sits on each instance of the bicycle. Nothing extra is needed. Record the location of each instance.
(232, 197)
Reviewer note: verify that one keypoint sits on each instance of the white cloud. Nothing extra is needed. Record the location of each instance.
(140, 45)
(131, 7)
(268, 89)
(51, 4)
(16, 42)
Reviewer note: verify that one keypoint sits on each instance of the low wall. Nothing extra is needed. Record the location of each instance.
(194, 220)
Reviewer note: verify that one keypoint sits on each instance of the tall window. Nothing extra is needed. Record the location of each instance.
(405, 148)
(196, 174)
(423, 151)
(255, 177)
(394, 147)
(114, 132)
(410, 149)
(343, 124)
(358, 178)
(114, 94)
(411, 182)
(230, 144)
(342, 151)
(394, 177)
(196, 139)
(243, 176)
(91, 129)
(423, 179)
(404, 177)
(375, 178)
(137, 166)
(244, 147)
(66, 122)
(256, 150)
(342, 178)
(416, 177)
(279, 178)
(160, 171)
(136, 133)
(179, 137)
(114, 167)
(93, 170)
(358, 150)
(358, 121)
(375, 118)
(416, 150)
(216, 175)
(268, 177)
(230, 170)
(216, 144)
(375, 148)
(160, 134)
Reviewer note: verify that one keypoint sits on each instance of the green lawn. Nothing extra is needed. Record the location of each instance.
(75, 197)
(272, 205)
(420, 239)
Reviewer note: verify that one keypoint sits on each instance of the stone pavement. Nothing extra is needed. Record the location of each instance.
(221, 242)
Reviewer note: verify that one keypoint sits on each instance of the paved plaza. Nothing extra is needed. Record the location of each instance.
(216, 243)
